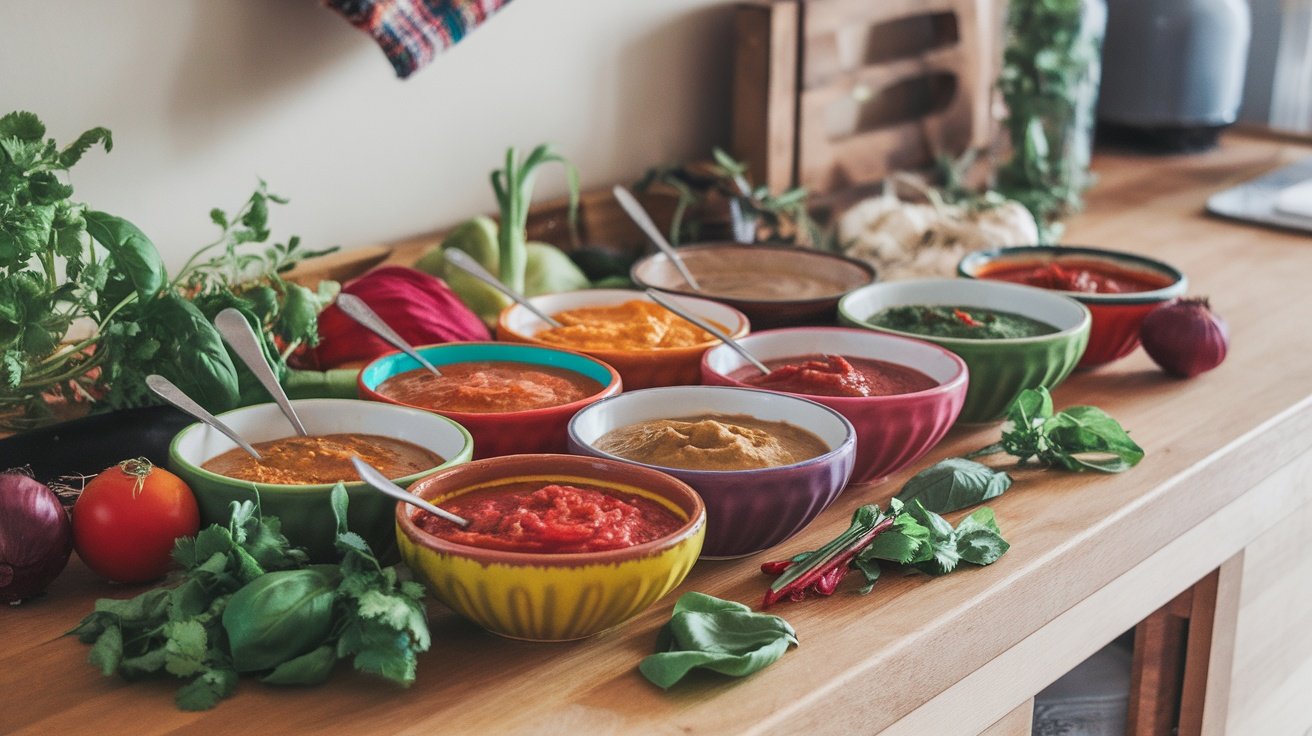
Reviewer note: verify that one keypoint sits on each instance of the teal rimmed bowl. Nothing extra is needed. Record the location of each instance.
(307, 518)
(1000, 369)
(501, 433)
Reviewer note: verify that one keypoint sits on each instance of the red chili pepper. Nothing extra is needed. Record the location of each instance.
(965, 318)
(776, 568)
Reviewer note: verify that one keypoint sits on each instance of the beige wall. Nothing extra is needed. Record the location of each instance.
(203, 96)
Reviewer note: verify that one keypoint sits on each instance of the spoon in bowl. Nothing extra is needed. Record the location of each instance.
(237, 332)
(653, 233)
(737, 347)
(355, 308)
(462, 261)
(165, 389)
(379, 482)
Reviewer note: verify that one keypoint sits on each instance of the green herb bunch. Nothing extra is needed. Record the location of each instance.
(1049, 81)
(1077, 438)
(87, 308)
(783, 217)
(247, 602)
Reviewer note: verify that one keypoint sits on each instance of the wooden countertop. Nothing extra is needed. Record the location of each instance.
(1091, 554)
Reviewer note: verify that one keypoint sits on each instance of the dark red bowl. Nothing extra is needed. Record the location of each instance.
(1114, 333)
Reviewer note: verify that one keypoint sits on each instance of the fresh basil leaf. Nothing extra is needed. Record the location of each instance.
(311, 668)
(979, 541)
(277, 617)
(722, 636)
(953, 484)
(938, 527)
(1089, 430)
(132, 252)
(200, 364)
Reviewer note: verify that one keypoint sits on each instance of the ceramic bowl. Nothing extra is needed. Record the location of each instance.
(638, 368)
(552, 597)
(500, 433)
(891, 431)
(307, 517)
(999, 369)
(746, 510)
(1116, 317)
(785, 270)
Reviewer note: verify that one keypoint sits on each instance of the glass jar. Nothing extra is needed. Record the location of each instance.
(1049, 82)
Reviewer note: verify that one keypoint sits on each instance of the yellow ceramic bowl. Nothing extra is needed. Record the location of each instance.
(552, 597)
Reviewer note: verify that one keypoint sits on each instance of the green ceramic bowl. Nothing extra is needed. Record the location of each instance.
(999, 369)
(307, 517)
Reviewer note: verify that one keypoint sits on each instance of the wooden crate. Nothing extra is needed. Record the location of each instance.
(836, 94)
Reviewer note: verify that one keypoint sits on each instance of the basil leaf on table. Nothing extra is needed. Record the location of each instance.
(954, 484)
(312, 668)
(1088, 429)
(721, 636)
(279, 616)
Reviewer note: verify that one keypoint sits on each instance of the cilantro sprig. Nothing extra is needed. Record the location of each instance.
(247, 602)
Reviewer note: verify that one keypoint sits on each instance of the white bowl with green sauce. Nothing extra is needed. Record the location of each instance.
(1000, 367)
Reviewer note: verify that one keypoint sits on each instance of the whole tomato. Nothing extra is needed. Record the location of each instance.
(127, 518)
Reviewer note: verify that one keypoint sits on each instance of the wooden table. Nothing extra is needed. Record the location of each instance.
(1222, 494)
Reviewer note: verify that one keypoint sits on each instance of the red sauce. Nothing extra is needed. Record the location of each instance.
(551, 519)
(1090, 277)
(837, 375)
(485, 387)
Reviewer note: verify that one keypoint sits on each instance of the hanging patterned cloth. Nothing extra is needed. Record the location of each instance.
(412, 32)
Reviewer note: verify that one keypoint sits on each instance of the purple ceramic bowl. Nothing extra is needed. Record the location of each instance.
(891, 431)
(746, 510)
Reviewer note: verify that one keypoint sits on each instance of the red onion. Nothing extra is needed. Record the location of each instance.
(1185, 337)
(35, 537)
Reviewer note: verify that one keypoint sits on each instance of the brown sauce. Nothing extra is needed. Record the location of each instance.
(322, 459)
(713, 442)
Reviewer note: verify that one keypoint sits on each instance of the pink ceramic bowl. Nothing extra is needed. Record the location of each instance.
(891, 431)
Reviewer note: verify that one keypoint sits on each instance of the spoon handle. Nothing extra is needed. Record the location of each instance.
(241, 338)
(678, 309)
(355, 308)
(165, 389)
(370, 475)
(653, 233)
(462, 261)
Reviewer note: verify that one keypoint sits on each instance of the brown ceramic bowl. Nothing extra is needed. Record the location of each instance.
(774, 285)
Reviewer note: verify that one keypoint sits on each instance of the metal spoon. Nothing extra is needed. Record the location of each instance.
(653, 233)
(165, 389)
(673, 306)
(379, 482)
(355, 308)
(462, 261)
(242, 339)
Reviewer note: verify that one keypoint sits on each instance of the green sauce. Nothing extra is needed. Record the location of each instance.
(965, 322)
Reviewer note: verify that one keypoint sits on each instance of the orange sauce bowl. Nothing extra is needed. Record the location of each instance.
(640, 368)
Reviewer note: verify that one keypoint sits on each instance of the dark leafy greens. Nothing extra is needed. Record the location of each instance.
(718, 635)
(909, 534)
(247, 602)
(1076, 438)
(87, 309)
